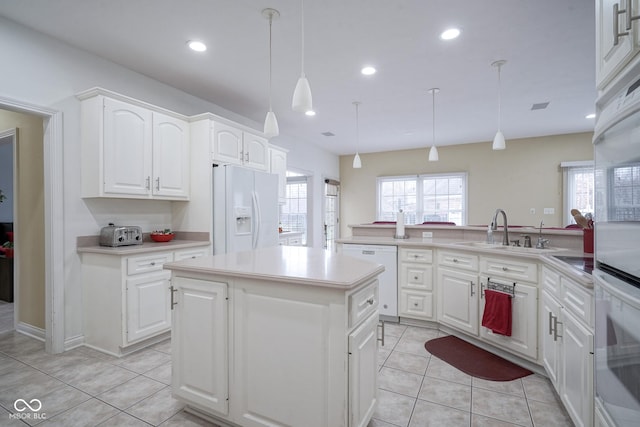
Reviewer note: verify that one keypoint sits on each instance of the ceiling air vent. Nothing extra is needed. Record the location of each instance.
(539, 106)
(328, 133)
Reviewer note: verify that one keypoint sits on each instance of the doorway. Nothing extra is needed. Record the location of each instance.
(7, 167)
(51, 238)
(331, 213)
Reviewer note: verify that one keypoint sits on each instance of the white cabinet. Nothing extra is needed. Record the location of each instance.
(614, 52)
(521, 276)
(416, 293)
(233, 145)
(130, 150)
(567, 341)
(292, 355)
(278, 165)
(200, 351)
(127, 299)
(458, 299)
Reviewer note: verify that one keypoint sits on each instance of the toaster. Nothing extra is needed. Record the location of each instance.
(114, 235)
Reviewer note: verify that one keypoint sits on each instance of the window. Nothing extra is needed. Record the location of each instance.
(293, 213)
(423, 198)
(578, 188)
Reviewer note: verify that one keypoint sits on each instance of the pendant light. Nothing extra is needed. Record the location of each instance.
(302, 94)
(357, 164)
(433, 151)
(270, 121)
(498, 140)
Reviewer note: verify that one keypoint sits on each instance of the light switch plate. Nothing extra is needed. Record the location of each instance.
(549, 211)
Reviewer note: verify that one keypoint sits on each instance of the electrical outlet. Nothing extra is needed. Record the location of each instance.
(427, 234)
(549, 211)
(532, 211)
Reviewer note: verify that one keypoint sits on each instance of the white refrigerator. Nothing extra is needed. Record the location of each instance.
(245, 209)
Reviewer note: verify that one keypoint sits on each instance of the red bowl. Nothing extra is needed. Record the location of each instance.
(162, 237)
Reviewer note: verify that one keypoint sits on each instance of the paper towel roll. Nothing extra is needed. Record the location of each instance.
(400, 225)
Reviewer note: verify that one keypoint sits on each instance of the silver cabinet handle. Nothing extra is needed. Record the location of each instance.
(550, 323)
(555, 328)
(158, 184)
(415, 277)
(472, 285)
(153, 263)
(172, 290)
(504, 269)
(148, 183)
(630, 17)
(455, 260)
(616, 26)
(481, 290)
(370, 301)
(381, 326)
(246, 156)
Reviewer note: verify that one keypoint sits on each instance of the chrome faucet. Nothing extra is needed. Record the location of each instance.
(541, 242)
(494, 226)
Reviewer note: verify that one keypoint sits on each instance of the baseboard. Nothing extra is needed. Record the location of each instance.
(30, 330)
(74, 342)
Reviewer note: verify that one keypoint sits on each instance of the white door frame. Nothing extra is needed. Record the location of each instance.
(53, 219)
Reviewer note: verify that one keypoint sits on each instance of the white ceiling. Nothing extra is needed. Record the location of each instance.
(549, 46)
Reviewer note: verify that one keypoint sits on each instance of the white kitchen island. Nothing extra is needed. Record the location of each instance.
(282, 336)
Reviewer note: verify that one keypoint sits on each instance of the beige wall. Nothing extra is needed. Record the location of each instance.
(29, 233)
(525, 175)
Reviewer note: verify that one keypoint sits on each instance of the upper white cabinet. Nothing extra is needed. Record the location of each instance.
(235, 146)
(130, 150)
(617, 38)
(278, 165)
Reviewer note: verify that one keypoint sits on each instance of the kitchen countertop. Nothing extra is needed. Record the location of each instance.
(544, 255)
(289, 264)
(146, 246)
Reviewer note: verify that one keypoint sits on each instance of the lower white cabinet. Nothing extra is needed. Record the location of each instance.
(458, 299)
(148, 306)
(293, 355)
(567, 344)
(416, 293)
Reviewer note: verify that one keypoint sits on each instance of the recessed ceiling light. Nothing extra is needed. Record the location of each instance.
(367, 71)
(310, 113)
(196, 45)
(450, 34)
(590, 116)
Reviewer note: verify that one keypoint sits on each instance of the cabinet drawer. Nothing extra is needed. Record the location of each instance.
(148, 263)
(551, 282)
(190, 253)
(458, 260)
(416, 304)
(577, 300)
(509, 269)
(362, 303)
(416, 276)
(416, 255)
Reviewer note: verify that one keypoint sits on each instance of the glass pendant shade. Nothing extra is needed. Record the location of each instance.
(271, 125)
(357, 164)
(498, 141)
(433, 154)
(302, 101)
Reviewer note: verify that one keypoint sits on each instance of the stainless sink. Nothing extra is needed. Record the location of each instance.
(499, 247)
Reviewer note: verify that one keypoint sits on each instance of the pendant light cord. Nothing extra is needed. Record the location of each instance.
(302, 33)
(357, 128)
(499, 99)
(270, 22)
(433, 142)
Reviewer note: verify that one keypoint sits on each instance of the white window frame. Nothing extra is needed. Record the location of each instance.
(419, 212)
(568, 187)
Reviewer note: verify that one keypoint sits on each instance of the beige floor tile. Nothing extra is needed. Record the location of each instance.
(399, 381)
(59, 400)
(501, 406)
(131, 392)
(411, 345)
(389, 342)
(162, 374)
(90, 413)
(383, 354)
(509, 387)
(427, 414)
(420, 334)
(124, 420)
(394, 408)
(394, 329)
(34, 388)
(549, 415)
(539, 388)
(442, 370)
(156, 408)
(446, 393)
(378, 423)
(185, 419)
(162, 346)
(407, 362)
(144, 360)
(480, 421)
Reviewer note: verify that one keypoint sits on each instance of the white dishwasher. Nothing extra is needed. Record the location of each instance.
(387, 255)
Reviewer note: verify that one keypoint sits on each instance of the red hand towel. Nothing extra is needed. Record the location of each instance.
(497, 312)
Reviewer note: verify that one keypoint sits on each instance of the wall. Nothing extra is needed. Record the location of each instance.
(6, 176)
(29, 227)
(49, 74)
(525, 175)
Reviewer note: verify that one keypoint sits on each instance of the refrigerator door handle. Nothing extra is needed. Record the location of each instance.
(257, 220)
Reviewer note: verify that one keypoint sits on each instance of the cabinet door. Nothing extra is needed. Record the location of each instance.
(278, 165)
(524, 322)
(148, 305)
(227, 144)
(458, 300)
(255, 151)
(576, 373)
(610, 57)
(549, 312)
(199, 343)
(170, 157)
(126, 149)
(363, 372)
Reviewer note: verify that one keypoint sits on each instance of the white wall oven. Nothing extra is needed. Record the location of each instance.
(617, 254)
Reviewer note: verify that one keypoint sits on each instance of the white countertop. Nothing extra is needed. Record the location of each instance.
(290, 264)
(144, 247)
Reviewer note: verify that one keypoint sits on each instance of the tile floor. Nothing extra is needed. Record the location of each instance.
(6, 316)
(83, 387)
